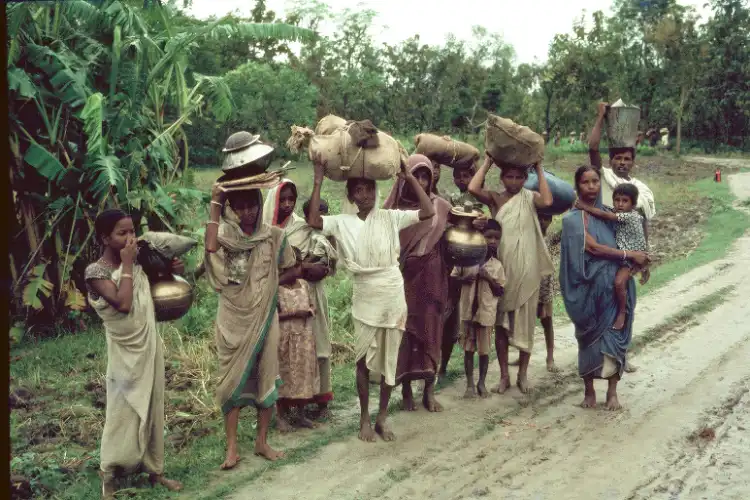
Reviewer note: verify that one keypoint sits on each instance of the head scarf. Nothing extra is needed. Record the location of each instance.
(421, 238)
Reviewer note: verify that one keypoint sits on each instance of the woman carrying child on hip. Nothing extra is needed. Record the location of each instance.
(629, 236)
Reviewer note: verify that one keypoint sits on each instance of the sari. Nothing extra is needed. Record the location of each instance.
(133, 435)
(311, 244)
(425, 269)
(587, 286)
(247, 322)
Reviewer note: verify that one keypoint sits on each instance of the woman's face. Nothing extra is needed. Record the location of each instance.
(247, 209)
(287, 202)
(124, 230)
(424, 178)
(588, 186)
(513, 179)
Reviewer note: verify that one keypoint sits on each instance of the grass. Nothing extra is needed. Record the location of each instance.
(58, 385)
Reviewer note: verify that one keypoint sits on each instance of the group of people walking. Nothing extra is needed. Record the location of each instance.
(410, 305)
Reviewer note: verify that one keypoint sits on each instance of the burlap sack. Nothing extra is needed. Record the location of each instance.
(510, 143)
(329, 124)
(446, 151)
(345, 160)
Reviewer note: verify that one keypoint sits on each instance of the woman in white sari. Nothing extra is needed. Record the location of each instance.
(119, 291)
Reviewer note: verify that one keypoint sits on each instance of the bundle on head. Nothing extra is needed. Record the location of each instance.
(446, 151)
(364, 134)
(513, 144)
(344, 158)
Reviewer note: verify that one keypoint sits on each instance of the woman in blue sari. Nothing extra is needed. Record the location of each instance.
(589, 259)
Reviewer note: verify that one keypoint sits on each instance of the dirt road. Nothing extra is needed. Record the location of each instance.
(684, 432)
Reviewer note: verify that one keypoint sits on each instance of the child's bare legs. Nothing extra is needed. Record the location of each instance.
(501, 348)
(385, 397)
(549, 340)
(484, 364)
(621, 286)
(282, 418)
(471, 392)
(407, 396)
(363, 379)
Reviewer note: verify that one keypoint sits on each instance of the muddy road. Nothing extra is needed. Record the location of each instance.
(684, 431)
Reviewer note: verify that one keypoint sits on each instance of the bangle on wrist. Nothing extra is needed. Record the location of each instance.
(212, 222)
(218, 204)
(123, 276)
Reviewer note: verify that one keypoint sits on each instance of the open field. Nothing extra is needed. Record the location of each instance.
(57, 393)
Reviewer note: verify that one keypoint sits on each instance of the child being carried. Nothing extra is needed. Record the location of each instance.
(629, 235)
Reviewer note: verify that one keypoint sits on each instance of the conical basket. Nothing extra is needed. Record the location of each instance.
(622, 125)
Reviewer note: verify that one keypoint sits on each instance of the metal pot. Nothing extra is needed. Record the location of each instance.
(172, 297)
(245, 156)
(466, 246)
(622, 125)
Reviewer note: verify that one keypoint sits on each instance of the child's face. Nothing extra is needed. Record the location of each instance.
(513, 179)
(492, 236)
(247, 210)
(622, 203)
(424, 178)
(436, 172)
(544, 222)
(462, 178)
(287, 201)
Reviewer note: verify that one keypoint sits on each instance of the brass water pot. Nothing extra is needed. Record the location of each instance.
(172, 297)
(466, 246)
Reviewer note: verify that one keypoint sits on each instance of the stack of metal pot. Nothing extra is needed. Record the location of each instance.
(246, 156)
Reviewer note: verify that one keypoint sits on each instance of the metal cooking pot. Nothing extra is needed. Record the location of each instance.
(465, 245)
(622, 125)
(245, 156)
(173, 297)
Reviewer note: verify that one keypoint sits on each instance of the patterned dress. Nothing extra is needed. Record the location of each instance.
(298, 361)
(96, 271)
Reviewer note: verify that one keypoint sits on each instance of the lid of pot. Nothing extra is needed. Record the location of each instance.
(463, 212)
(239, 140)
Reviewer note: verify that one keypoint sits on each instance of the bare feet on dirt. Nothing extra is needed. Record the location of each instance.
(265, 451)
(324, 414)
(305, 423)
(233, 458)
(523, 384)
(366, 433)
(384, 432)
(470, 393)
(503, 386)
(630, 368)
(589, 400)
(551, 367)
(430, 403)
(482, 390)
(407, 403)
(613, 404)
(169, 484)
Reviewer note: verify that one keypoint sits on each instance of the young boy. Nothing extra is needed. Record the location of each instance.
(462, 178)
(368, 243)
(629, 236)
(544, 308)
(481, 288)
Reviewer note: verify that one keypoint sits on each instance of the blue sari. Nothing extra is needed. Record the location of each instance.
(587, 286)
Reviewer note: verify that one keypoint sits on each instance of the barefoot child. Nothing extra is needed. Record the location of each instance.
(629, 236)
(368, 241)
(544, 309)
(481, 288)
(298, 363)
(524, 256)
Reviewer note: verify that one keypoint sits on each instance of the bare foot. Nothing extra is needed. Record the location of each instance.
(619, 322)
(551, 367)
(384, 432)
(306, 423)
(407, 404)
(503, 386)
(630, 368)
(233, 458)
(169, 484)
(268, 453)
(429, 402)
(613, 404)
(523, 384)
(482, 391)
(470, 393)
(589, 400)
(283, 425)
(366, 433)
(324, 414)
(515, 362)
